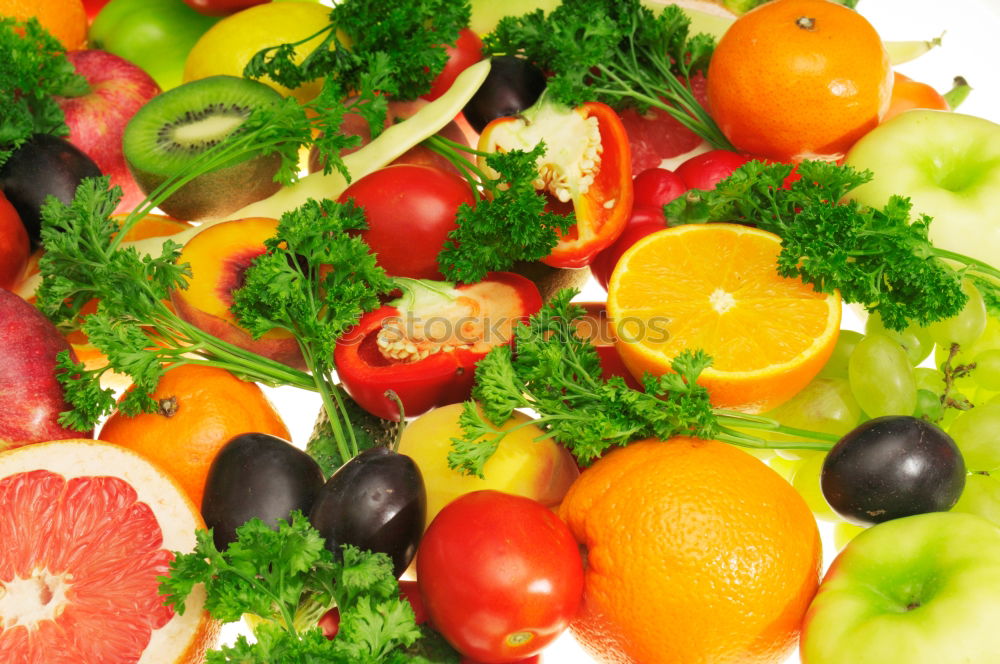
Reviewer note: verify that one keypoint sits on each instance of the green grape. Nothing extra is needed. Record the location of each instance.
(915, 340)
(987, 371)
(977, 434)
(965, 327)
(784, 466)
(881, 377)
(806, 482)
(825, 404)
(929, 405)
(836, 366)
(981, 496)
(844, 532)
(926, 378)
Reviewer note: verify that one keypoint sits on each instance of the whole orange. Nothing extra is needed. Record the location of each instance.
(200, 409)
(66, 20)
(696, 552)
(798, 79)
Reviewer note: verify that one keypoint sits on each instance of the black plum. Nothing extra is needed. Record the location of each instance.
(512, 85)
(376, 502)
(43, 166)
(891, 467)
(257, 475)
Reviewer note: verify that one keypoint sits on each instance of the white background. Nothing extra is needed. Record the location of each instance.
(971, 31)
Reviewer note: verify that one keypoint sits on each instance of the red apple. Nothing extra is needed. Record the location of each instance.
(93, 7)
(97, 120)
(30, 396)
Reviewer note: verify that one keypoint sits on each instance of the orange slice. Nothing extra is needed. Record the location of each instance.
(716, 287)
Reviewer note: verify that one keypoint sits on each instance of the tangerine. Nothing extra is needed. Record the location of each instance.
(695, 552)
(87, 529)
(66, 20)
(716, 287)
(799, 79)
(200, 409)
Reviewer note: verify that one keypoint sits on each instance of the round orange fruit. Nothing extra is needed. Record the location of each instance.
(798, 79)
(87, 530)
(66, 20)
(695, 552)
(715, 287)
(200, 410)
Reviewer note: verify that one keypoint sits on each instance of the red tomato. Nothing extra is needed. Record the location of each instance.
(907, 94)
(221, 7)
(14, 245)
(656, 187)
(643, 221)
(706, 170)
(410, 211)
(501, 576)
(467, 51)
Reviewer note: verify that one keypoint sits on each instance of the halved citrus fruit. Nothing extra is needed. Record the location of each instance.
(716, 287)
(87, 527)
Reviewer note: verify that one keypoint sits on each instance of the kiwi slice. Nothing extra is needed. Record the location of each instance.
(167, 135)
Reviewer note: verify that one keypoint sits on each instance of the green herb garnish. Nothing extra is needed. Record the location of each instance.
(552, 371)
(880, 258)
(617, 52)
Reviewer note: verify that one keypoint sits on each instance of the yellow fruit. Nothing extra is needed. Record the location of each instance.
(229, 45)
(540, 470)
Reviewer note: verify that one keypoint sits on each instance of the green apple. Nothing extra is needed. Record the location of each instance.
(948, 164)
(977, 434)
(923, 589)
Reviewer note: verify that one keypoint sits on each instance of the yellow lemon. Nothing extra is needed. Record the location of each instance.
(228, 46)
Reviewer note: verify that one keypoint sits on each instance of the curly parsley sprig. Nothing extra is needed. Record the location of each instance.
(881, 258)
(509, 222)
(288, 577)
(618, 52)
(411, 35)
(557, 374)
(35, 70)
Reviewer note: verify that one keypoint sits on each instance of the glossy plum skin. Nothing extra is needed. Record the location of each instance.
(376, 502)
(256, 475)
(891, 467)
(512, 85)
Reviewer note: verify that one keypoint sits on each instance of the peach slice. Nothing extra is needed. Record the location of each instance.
(219, 256)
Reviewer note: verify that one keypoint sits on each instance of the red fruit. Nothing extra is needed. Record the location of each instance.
(655, 187)
(706, 170)
(15, 247)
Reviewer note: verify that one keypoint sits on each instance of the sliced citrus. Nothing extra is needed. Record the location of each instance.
(716, 287)
(87, 527)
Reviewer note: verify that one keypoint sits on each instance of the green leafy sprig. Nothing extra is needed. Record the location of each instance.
(881, 258)
(410, 35)
(35, 70)
(508, 223)
(288, 577)
(617, 52)
(555, 373)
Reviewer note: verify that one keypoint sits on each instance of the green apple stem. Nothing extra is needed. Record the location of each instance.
(958, 93)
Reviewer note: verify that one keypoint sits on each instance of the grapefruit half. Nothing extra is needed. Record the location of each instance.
(86, 528)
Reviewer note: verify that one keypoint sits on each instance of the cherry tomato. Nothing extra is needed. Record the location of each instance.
(707, 169)
(467, 51)
(656, 187)
(221, 7)
(500, 575)
(907, 94)
(644, 220)
(14, 245)
(410, 211)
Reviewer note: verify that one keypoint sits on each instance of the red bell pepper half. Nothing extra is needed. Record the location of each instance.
(424, 346)
(587, 165)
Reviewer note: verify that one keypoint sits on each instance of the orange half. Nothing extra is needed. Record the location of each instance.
(716, 287)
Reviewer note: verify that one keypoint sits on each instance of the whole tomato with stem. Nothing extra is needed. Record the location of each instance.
(500, 575)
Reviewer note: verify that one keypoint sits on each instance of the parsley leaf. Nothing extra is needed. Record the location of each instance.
(363, 33)
(508, 225)
(289, 578)
(557, 374)
(880, 258)
(35, 70)
(618, 52)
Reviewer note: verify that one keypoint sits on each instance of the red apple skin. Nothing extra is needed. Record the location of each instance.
(97, 120)
(93, 7)
(30, 396)
(221, 7)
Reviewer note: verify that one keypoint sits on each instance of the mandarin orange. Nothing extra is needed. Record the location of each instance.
(696, 552)
(200, 410)
(797, 79)
(66, 20)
